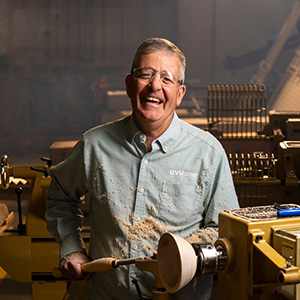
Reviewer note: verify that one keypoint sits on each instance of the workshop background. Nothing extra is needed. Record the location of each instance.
(62, 62)
(62, 70)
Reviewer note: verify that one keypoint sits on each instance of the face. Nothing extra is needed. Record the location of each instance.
(154, 103)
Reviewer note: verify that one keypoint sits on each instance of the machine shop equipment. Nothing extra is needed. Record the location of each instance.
(237, 114)
(262, 179)
(29, 253)
(266, 169)
(261, 253)
(255, 257)
(236, 111)
(263, 147)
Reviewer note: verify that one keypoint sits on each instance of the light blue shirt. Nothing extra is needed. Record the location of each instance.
(180, 186)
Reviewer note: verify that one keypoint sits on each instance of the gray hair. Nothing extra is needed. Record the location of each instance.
(159, 44)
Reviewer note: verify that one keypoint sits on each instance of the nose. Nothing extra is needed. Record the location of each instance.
(155, 82)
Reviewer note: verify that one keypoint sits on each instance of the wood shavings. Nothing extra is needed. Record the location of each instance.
(204, 235)
(152, 210)
(145, 229)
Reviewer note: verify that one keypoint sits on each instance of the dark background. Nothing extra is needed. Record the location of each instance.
(58, 58)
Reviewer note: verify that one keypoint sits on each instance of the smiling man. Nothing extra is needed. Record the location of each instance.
(146, 174)
(155, 87)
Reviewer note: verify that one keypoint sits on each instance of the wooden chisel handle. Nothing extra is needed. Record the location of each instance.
(98, 265)
(105, 264)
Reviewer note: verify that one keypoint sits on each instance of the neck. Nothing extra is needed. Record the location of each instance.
(152, 131)
(151, 135)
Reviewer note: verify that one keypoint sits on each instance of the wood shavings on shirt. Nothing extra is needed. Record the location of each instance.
(145, 229)
(204, 235)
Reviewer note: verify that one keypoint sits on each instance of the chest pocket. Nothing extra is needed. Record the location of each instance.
(180, 200)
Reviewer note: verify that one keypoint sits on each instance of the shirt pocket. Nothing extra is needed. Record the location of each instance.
(180, 201)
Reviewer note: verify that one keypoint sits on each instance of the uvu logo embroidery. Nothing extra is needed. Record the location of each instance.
(177, 172)
(182, 173)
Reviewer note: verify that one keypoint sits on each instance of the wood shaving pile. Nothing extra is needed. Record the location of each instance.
(145, 229)
(204, 235)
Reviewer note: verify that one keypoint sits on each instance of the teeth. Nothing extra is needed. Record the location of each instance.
(153, 99)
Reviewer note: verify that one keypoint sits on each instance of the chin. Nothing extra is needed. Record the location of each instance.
(150, 116)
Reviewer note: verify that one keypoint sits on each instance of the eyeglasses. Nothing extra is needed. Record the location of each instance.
(148, 74)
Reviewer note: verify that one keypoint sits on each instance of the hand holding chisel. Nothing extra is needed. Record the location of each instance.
(105, 264)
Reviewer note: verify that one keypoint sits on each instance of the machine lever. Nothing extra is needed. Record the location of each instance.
(277, 206)
(21, 226)
(46, 173)
(47, 160)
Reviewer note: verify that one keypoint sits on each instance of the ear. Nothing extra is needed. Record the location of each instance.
(128, 83)
(180, 94)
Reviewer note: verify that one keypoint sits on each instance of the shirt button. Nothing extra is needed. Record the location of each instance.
(145, 161)
(141, 136)
(166, 147)
(142, 190)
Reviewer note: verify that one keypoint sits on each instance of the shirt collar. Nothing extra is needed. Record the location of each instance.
(165, 141)
(170, 136)
(131, 130)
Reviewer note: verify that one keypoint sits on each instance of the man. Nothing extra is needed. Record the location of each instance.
(147, 173)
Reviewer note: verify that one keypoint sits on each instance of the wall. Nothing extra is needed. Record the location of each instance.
(57, 57)
(210, 32)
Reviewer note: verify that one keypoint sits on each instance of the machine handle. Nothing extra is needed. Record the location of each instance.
(289, 276)
(289, 212)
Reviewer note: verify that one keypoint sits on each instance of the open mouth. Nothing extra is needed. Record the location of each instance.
(153, 100)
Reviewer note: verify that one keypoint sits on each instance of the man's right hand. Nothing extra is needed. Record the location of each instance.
(70, 266)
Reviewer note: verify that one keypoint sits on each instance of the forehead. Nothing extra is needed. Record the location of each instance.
(160, 60)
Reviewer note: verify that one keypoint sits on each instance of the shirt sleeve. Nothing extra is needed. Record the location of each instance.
(65, 192)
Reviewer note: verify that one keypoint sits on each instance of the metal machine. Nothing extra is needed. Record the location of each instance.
(29, 252)
(256, 255)
(263, 147)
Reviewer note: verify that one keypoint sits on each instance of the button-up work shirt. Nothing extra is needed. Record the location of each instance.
(135, 196)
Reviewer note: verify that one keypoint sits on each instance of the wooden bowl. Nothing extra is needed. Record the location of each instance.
(177, 262)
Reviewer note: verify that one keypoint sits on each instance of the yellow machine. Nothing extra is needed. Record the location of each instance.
(261, 255)
(29, 254)
(256, 256)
